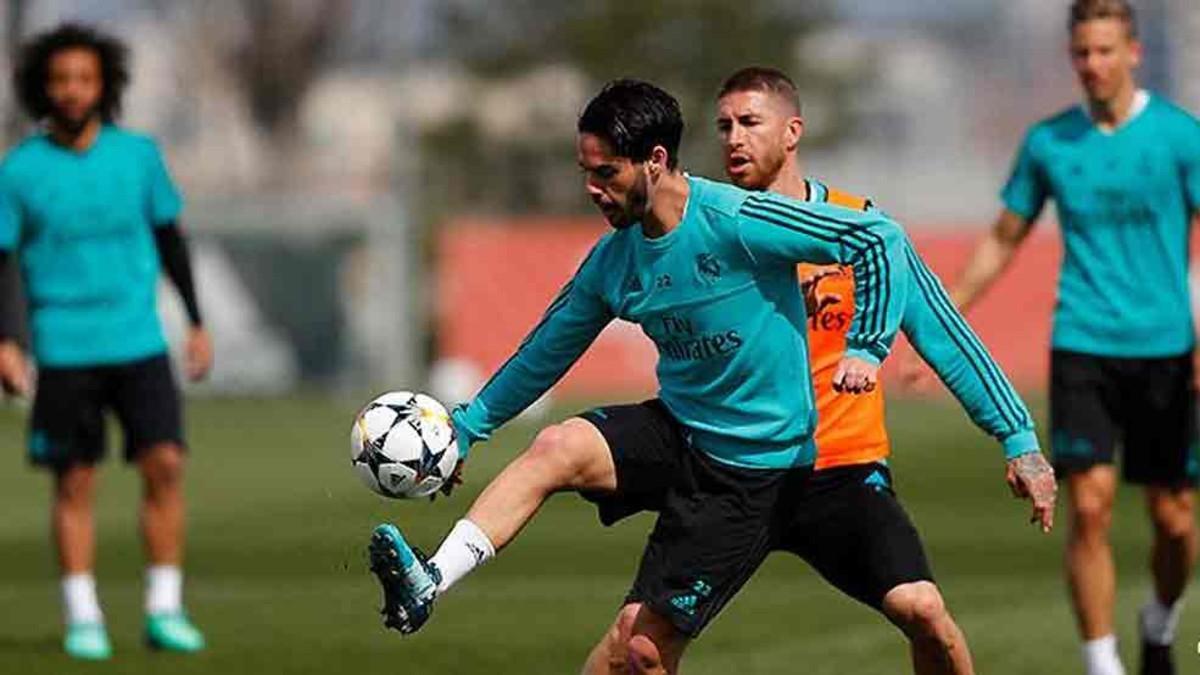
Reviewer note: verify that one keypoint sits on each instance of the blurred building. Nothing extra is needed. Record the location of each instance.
(317, 242)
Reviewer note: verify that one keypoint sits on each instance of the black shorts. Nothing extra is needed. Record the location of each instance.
(67, 425)
(1144, 407)
(718, 522)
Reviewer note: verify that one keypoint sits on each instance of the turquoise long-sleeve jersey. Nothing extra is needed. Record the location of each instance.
(948, 344)
(719, 297)
(944, 339)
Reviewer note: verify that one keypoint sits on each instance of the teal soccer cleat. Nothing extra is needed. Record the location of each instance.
(409, 581)
(87, 641)
(173, 632)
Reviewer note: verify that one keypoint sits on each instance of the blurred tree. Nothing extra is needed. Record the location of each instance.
(686, 46)
(286, 45)
(267, 54)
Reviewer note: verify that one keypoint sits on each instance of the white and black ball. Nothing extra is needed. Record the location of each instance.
(403, 445)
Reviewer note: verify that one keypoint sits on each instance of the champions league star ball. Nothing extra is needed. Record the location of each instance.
(403, 445)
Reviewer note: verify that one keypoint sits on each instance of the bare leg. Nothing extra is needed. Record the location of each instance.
(74, 526)
(162, 509)
(655, 645)
(938, 645)
(610, 656)
(1174, 553)
(1091, 574)
(568, 456)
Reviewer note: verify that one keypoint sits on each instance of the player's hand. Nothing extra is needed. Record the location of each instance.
(855, 376)
(462, 437)
(198, 353)
(452, 481)
(1031, 477)
(15, 375)
(814, 300)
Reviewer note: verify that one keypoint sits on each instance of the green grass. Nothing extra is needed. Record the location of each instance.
(278, 580)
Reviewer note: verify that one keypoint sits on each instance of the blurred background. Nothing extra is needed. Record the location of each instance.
(383, 194)
(379, 187)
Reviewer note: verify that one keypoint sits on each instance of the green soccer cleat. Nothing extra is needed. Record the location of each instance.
(87, 641)
(173, 632)
(409, 581)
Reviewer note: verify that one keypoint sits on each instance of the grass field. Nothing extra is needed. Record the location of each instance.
(278, 580)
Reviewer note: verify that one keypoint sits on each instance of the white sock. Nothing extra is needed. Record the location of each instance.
(80, 604)
(164, 589)
(1100, 656)
(1158, 621)
(464, 549)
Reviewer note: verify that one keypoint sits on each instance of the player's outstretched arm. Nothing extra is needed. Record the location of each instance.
(781, 231)
(948, 344)
(944, 339)
(569, 326)
(992, 255)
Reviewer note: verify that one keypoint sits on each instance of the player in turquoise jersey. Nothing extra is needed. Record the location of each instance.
(1123, 170)
(708, 271)
(90, 212)
(880, 559)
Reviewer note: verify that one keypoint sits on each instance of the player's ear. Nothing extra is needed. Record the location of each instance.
(1135, 52)
(793, 132)
(659, 162)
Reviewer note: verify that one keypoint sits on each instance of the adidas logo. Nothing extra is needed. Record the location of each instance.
(479, 553)
(685, 603)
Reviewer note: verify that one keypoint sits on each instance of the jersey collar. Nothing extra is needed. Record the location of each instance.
(1141, 99)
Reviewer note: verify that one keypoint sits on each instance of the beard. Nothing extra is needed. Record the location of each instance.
(634, 209)
(73, 126)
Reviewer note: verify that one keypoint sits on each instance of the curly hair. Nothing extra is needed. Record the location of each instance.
(33, 68)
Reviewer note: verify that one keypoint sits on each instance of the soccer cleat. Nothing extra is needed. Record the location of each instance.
(87, 641)
(173, 632)
(1157, 659)
(409, 581)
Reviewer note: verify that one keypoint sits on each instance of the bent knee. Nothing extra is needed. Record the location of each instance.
(643, 655)
(617, 638)
(571, 454)
(917, 608)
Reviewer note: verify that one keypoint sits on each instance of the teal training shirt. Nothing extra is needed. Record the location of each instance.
(719, 297)
(82, 224)
(1125, 200)
(944, 339)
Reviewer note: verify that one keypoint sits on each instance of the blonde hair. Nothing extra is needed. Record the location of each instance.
(1083, 11)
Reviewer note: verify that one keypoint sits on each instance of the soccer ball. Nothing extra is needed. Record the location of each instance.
(403, 445)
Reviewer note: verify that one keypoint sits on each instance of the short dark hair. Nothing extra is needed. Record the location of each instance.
(33, 68)
(765, 79)
(633, 117)
(1083, 11)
